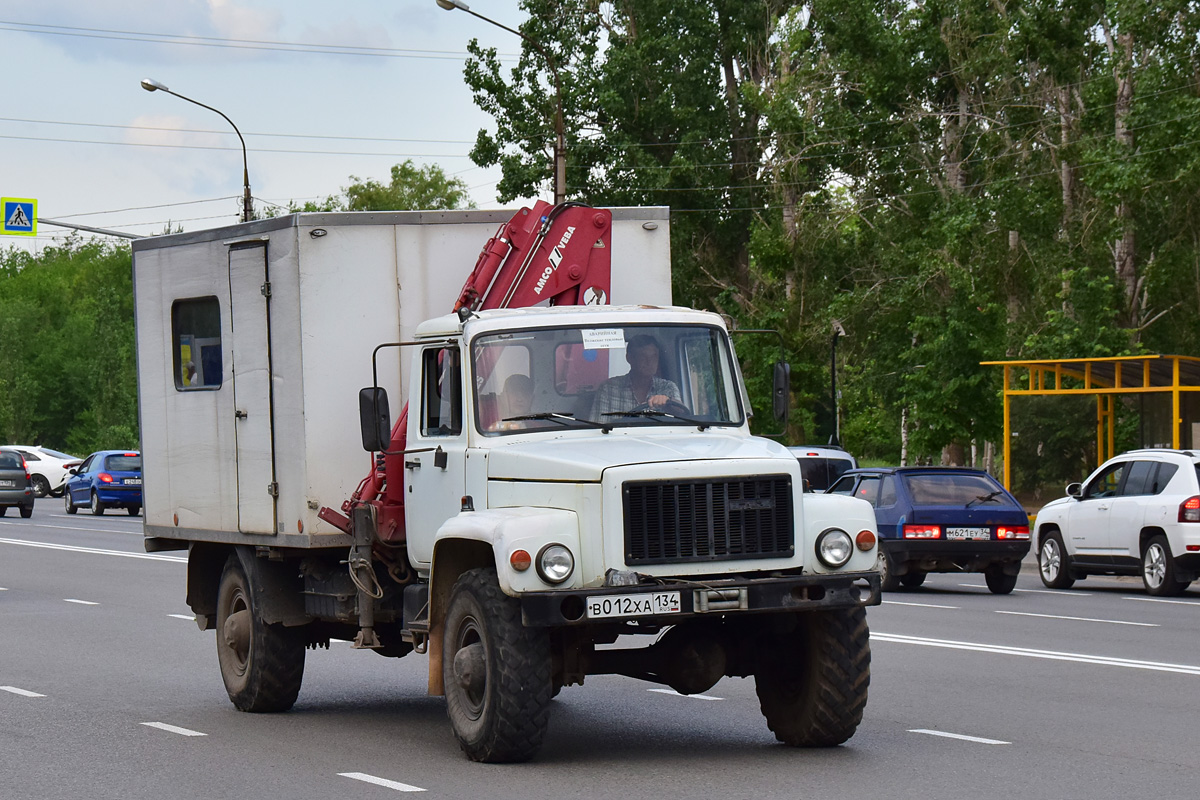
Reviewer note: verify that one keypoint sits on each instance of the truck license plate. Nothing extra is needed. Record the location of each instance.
(632, 605)
(968, 533)
(133, 481)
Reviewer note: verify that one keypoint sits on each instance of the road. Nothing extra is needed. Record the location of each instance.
(108, 690)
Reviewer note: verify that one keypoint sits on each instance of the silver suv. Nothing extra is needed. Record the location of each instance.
(1139, 513)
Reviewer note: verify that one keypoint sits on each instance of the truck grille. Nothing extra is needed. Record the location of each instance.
(708, 520)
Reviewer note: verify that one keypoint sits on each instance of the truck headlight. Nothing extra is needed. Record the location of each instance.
(834, 547)
(555, 563)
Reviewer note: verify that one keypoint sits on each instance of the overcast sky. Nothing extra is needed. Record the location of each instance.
(81, 136)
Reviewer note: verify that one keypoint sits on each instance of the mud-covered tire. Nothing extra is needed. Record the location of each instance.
(913, 578)
(496, 672)
(889, 581)
(69, 507)
(998, 581)
(812, 684)
(262, 665)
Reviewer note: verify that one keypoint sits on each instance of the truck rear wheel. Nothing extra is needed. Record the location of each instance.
(262, 665)
(812, 684)
(496, 672)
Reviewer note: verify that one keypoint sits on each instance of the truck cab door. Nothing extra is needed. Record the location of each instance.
(435, 478)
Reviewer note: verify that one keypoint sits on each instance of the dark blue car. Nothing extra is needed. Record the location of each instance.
(107, 479)
(942, 519)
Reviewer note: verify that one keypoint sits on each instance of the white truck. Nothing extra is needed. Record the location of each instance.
(562, 477)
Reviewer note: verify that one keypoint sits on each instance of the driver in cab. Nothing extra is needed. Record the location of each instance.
(640, 388)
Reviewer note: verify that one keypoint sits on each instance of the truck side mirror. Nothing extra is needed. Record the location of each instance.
(374, 418)
(779, 394)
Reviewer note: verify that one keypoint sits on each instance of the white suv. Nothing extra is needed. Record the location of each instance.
(1138, 514)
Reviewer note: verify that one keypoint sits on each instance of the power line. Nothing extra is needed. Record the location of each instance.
(225, 132)
(234, 149)
(235, 44)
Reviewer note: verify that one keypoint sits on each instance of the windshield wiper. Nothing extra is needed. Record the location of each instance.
(560, 417)
(653, 414)
(985, 498)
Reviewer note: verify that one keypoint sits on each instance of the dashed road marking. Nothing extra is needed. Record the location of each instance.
(80, 602)
(962, 737)
(365, 778)
(1108, 661)
(94, 550)
(691, 696)
(183, 616)
(1032, 591)
(162, 726)
(22, 692)
(1160, 600)
(1081, 619)
(918, 605)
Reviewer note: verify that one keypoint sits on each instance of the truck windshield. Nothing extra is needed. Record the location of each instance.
(552, 378)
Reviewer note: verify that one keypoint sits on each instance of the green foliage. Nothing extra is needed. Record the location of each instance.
(67, 375)
(411, 188)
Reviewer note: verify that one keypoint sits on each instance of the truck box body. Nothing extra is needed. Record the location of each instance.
(279, 318)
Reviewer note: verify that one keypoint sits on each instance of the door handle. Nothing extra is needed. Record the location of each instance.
(239, 414)
(414, 464)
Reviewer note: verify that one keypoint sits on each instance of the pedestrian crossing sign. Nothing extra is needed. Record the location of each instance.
(19, 217)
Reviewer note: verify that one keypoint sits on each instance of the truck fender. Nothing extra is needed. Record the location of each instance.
(823, 511)
(474, 539)
(204, 565)
(277, 587)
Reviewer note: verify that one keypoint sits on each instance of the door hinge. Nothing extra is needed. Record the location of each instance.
(265, 289)
(273, 489)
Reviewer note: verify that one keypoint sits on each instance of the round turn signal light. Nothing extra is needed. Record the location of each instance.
(520, 560)
(865, 540)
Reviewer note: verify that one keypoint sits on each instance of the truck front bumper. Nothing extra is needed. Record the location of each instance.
(706, 598)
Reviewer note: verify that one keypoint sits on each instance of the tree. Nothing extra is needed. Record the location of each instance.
(411, 188)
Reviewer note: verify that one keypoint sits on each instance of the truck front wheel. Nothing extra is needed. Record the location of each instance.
(496, 672)
(812, 683)
(262, 664)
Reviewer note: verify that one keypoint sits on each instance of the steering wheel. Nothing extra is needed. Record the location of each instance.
(669, 407)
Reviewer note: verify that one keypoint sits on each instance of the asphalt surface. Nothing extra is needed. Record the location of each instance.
(108, 690)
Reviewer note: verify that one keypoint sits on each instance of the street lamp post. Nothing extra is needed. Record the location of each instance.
(151, 85)
(838, 330)
(560, 147)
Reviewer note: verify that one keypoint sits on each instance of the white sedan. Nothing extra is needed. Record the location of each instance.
(47, 468)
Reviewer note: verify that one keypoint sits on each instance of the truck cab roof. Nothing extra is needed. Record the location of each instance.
(498, 319)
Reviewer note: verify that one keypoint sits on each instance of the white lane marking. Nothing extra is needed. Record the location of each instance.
(1080, 619)
(76, 528)
(183, 616)
(94, 550)
(918, 605)
(399, 787)
(690, 696)
(162, 726)
(963, 737)
(1052, 655)
(22, 692)
(3, 588)
(80, 602)
(1159, 600)
(1032, 591)
(1058, 592)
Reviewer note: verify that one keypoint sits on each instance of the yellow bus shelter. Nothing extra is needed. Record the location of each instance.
(1106, 378)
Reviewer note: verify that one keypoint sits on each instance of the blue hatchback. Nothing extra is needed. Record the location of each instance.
(107, 479)
(942, 519)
